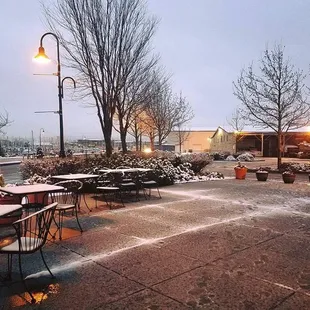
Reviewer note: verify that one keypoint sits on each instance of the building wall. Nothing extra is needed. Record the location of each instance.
(195, 141)
(223, 142)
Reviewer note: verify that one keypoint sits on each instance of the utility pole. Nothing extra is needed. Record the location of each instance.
(32, 140)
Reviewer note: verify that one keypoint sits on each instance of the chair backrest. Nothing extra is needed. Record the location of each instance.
(74, 185)
(116, 178)
(70, 193)
(32, 230)
(149, 175)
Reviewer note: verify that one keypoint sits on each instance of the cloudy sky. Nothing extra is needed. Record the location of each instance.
(203, 43)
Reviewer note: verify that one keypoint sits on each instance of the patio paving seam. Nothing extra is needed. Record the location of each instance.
(142, 284)
(213, 261)
(282, 301)
(146, 288)
(122, 298)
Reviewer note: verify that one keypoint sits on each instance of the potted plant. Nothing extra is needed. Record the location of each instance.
(288, 176)
(261, 174)
(240, 171)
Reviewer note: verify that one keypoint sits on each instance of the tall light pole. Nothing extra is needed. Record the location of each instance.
(41, 130)
(42, 57)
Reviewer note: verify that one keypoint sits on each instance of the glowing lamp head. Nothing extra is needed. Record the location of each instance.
(147, 150)
(41, 56)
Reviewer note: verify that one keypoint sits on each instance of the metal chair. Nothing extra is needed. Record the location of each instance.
(31, 234)
(35, 202)
(149, 181)
(111, 190)
(68, 200)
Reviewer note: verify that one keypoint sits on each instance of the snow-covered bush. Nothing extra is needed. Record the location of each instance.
(168, 166)
(230, 158)
(218, 156)
(245, 157)
(295, 167)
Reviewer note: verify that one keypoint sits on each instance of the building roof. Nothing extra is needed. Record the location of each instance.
(218, 129)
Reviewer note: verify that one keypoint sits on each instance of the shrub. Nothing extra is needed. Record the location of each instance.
(218, 156)
(168, 166)
(245, 157)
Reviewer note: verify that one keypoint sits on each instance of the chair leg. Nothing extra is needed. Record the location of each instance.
(121, 197)
(33, 301)
(158, 193)
(77, 219)
(60, 224)
(46, 264)
(144, 193)
(55, 221)
(9, 275)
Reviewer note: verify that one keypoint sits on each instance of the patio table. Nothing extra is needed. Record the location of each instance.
(7, 209)
(77, 176)
(125, 170)
(24, 190)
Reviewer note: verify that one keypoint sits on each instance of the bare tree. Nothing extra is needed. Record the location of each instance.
(182, 135)
(275, 97)
(107, 43)
(4, 121)
(137, 127)
(165, 111)
(236, 121)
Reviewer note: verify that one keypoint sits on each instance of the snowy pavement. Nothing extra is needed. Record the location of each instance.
(229, 244)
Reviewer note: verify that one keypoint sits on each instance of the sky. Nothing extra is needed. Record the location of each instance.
(203, 43)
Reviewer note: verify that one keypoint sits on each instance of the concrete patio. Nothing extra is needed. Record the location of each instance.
(230, 244)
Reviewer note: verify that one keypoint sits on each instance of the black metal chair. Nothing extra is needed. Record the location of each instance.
(149, 181)
(68, 200)
(111, 190)
(35, 202)
(127, 183)
(31, 234)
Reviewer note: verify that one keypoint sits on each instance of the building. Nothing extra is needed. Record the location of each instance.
(223, 141)
(260, 143)
(190, 140)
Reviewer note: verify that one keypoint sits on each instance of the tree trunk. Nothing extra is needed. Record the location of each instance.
(123, 140)
(123, 133)
(152, 142)
(137, 142)
(140, 149)
(108, 145)
(180, 142)
(279, 149)
(107, 133)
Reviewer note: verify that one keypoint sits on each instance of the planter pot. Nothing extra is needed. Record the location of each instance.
(240, 173)
(261, 175)
(288, 178)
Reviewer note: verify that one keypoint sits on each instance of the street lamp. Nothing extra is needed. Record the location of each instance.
(43, 58)
(41, 130)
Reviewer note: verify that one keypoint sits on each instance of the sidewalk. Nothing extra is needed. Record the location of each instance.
(230, 244)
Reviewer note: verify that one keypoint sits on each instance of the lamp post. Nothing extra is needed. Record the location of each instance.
(42, 57)
(41, 130)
